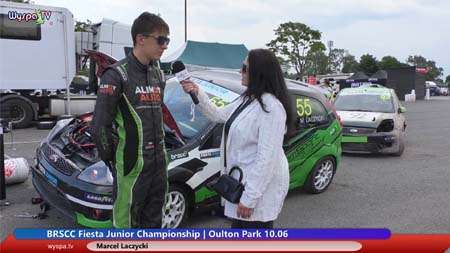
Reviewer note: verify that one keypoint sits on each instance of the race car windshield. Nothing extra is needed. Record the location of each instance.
(189, 118)
(365, 103)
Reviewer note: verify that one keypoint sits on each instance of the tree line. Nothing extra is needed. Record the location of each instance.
(299, 47)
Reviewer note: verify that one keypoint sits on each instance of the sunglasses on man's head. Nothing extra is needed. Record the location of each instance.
(161, 40)
(244, 68)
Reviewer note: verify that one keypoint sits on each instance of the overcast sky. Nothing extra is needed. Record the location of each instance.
(378, 27)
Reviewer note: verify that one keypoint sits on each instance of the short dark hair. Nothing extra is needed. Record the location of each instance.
(265, 75)
(148, 23)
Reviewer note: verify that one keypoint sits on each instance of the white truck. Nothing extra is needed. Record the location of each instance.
(38, 60)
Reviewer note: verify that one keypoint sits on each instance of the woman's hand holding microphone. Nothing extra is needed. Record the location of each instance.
(189, 86)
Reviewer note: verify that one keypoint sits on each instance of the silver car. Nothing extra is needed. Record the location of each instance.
(373, 120)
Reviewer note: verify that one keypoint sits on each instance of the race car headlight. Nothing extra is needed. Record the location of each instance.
(97, 174)
(386, 125)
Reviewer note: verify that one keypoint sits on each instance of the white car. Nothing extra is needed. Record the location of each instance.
(373, 120)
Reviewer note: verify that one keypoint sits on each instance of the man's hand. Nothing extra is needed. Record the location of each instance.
(243, 211)
(189, 86)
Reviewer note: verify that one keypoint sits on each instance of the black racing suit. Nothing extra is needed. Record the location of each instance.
(129, 102)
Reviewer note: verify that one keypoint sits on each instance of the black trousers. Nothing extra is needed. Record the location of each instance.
(251, 224)
(148, 194)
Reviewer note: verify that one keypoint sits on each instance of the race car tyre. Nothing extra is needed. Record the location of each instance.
(177, 209)
(321, 175)
(401, 149)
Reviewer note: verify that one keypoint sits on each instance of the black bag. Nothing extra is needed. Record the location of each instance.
(228, 187)
(225, 185)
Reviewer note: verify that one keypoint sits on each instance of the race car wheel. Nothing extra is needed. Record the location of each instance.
(177, 209)
(401, 149)
(321, 175)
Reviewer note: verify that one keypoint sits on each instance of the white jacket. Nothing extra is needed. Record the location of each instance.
(254, 144)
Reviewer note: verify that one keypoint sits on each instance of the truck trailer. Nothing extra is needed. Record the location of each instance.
(38, 61)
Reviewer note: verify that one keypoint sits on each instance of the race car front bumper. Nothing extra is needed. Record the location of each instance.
(373, 143)
(61, 193)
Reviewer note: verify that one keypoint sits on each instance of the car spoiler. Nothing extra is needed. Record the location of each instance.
(102, 60)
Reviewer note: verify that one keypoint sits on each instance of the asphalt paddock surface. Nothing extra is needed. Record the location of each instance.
(407, 194)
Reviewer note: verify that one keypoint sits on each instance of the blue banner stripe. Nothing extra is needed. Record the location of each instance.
(205, 234)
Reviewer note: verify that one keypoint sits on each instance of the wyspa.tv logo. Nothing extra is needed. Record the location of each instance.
(40, 16)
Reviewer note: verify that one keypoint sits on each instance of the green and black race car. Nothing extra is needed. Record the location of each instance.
(70, 176)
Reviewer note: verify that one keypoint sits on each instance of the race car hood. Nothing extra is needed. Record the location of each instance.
(362, 119)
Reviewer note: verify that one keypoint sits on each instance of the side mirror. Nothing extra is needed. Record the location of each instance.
(401, 109)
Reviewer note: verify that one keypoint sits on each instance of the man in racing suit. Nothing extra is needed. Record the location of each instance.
(129, 102)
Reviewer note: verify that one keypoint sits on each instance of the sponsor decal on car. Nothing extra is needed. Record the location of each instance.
(382, 92)
(98, 198)
(305, 148)
(216, 90)
(210, 154)
(354, 139)
(179, 155)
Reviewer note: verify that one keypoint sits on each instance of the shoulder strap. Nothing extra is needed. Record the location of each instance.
(227, 126)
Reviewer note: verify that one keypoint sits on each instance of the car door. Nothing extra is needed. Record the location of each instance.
(209, 148)
(311, 125)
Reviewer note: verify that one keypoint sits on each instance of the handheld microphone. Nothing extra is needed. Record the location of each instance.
(182, 74)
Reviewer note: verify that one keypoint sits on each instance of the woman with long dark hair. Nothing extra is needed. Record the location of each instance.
(255, 126)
